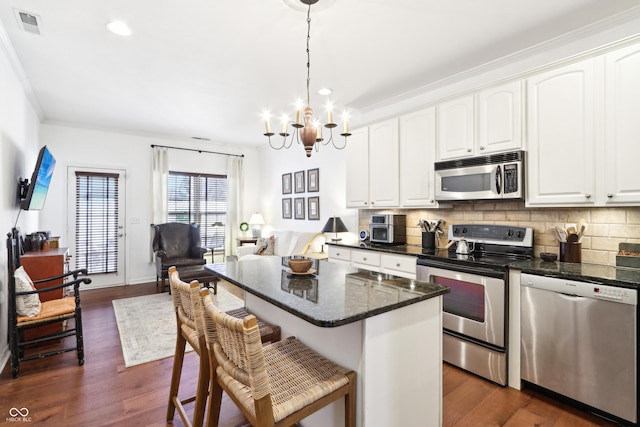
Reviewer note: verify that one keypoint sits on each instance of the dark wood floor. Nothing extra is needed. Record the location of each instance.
(103, 393)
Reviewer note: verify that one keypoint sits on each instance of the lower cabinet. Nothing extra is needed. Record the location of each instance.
(396, 265)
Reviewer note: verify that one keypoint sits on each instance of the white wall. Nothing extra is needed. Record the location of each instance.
(90, 148)
(331, 165)
(19, 124)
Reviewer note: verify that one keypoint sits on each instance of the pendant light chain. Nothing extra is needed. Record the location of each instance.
(307, 130)
(308, 53)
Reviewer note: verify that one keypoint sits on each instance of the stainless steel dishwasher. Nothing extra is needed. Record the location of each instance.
(579, 340)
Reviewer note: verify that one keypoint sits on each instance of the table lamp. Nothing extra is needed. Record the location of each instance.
(256, 220)
(335, 225)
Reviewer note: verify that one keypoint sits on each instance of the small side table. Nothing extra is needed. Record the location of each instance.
(246, 240)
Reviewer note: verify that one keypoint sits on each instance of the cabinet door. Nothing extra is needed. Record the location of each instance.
(384, 180)
(500, 118)
(417, 154)
(455, 128)
(561, 140)
(622, 124)
(357, 173)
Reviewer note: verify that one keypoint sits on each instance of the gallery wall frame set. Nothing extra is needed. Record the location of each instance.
(299, 182)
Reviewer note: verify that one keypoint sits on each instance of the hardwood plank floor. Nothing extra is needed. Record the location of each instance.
(57, 392)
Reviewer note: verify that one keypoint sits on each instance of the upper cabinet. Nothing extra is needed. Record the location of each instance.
(372, 178)
(456, 128)
(583, 128)
(357, 173)
(492, 125)
(622, 126)
(417, 154)
(561, 135)
(500, 118)
(384, 181)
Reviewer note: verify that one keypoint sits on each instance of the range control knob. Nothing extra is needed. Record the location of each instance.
(510, 232)
(456, 230)
(520, 234)
(464, 230)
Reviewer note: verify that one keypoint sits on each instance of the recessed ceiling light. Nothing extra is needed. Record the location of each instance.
(119, 28)
(325, 91)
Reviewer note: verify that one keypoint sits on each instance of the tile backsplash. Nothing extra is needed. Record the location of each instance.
(606, 226)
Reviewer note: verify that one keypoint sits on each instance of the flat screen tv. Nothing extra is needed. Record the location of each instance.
(40, 180)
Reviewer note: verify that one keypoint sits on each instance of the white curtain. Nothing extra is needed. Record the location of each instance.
(159, 176)
(235, 179)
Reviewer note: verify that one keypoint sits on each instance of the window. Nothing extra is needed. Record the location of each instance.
(201, 199)
(97, 222)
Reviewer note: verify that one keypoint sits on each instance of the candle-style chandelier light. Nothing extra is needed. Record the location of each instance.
(309, 131)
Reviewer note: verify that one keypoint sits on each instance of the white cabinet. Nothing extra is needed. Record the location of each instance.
(456, 128)
(369, 260)
(489, 121)
(394, 264)
(339, 254)
(384, 175)
(561, 136)
(417, 154)
(500, 118)
(372, 176)
(357, 173)
(398, 265)
(622, 126)
(583, 132)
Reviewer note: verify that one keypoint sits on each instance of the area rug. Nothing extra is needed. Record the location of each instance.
(147, 325)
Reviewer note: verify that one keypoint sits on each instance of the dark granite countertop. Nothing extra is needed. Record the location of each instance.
(336, 295)
(609, 275)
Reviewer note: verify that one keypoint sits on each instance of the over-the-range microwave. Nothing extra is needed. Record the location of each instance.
(493, 177)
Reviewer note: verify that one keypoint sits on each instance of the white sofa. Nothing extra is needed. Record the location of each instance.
(287, 243)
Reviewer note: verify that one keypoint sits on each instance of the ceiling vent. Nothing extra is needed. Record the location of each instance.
(29, 22)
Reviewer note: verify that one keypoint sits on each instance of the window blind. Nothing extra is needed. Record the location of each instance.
(97, 222)
(202, 199)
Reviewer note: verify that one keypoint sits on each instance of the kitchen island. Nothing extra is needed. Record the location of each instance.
(387, 329)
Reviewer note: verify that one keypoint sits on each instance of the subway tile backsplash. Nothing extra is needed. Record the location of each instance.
(607, 227)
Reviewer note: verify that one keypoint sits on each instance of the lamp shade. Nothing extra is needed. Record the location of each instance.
(334, 225)
(257, 219)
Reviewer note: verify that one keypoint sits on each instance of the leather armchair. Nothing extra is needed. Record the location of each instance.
(176, 244)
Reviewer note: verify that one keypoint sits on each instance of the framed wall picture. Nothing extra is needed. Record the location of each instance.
(299, 181)
(286, 183)
(298, 208)
(286, 208)
(313, 208)
(313, 183)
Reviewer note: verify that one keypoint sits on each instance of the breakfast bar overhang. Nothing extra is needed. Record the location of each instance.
(388, 329)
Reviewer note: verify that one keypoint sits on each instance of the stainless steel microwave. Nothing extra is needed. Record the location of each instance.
(493, 177)
(387, 228)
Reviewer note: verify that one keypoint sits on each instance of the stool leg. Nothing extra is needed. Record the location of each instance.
(178, 359)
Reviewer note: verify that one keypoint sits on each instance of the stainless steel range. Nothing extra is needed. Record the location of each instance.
(476, 312)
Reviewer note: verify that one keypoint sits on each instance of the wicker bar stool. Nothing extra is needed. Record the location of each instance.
(275, 385)
(187, 305)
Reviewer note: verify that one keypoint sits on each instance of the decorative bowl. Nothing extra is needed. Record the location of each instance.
(299, 265)
(548, 256)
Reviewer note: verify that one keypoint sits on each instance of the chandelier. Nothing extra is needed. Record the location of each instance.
(308, 131)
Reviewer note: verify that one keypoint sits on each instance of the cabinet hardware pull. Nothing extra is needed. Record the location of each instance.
(468, 150)
(482, 147)
(398, 265)
(588, 196)
(610, 195)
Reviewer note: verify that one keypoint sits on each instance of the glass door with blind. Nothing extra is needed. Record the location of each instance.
(201, 198)
(96, 224)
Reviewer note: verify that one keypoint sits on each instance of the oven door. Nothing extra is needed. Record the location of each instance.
(475, 307)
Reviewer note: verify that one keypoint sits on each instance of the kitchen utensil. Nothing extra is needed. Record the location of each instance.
(562, 234)
(573, 238)
(449, 244)
(581, 231)
(571, 230)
